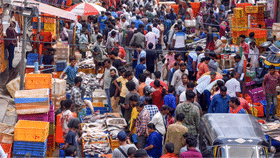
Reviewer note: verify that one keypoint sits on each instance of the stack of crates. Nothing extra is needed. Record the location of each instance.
(30, 138)
(243, 5)
(195, 8)
(239, 23)
(50, 24)
(260, 35)
(256, 16)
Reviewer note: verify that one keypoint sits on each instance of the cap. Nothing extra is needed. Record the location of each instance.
(122, 136)
(141, 153)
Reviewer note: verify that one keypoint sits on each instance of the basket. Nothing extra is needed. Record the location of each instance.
(33, 131)
(263, 102)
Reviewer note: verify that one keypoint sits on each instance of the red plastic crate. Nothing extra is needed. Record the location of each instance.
(7, 149)
(260, 109)
(34, 117)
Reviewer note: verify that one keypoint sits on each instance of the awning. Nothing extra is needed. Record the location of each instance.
(45, 8)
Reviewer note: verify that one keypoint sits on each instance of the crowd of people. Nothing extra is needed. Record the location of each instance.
(162, 108)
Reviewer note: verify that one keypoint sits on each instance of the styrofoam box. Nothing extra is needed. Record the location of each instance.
(34, 93)
(58, 86)
(13, 86)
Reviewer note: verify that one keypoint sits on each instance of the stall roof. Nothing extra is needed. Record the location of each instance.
(45, 8)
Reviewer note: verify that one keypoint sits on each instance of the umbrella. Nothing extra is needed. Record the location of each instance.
(86, 9)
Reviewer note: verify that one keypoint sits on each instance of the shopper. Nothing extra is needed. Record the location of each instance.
(152, 109)
(219, 103)
(71, 71)
(154, 142)
(235, 107)
(66, 116)
(141, 125)
(75, 95)
(72, 135)
(125, 144)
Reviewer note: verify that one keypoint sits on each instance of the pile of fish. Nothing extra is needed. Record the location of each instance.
(96, 118)
(86, 64)
(201, 42)
(114, 130)
(90, 83)
(97, 148)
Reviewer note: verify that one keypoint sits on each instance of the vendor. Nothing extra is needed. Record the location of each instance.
(71, 71)
(76, 95)
(48, 60)
(235, 107)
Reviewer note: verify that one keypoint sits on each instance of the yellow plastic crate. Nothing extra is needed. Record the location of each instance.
(238, 12)
(254, 111)
(254, 9)
(114, 143)
(31, 131)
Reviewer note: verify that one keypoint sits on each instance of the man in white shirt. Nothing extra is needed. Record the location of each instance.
(177, 77)
(179, 41)
(156, 31)
(124, 23)
(148, 78)
(150, 37)
(159, 120)
(233, 86)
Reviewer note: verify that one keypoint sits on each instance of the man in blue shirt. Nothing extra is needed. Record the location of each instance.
(101, 21)
(172, 71)
(149, 24)
(140, 67)
(71, 71)
(154, 142)
(113, 13)
(192, 62)
(220, 102)
(138, 21)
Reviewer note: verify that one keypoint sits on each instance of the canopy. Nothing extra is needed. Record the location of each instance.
(45, 8)
(86, 9)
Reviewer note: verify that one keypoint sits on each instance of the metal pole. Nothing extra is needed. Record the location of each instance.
(23, 54)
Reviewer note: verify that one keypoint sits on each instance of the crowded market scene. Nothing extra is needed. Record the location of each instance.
(140, 78)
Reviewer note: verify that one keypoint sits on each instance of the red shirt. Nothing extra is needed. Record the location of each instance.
(245, 47)
(157, 98)
(161, 82)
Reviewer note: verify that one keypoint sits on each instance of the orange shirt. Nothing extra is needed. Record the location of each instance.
(169, 155)
(202, 68)
(140, 89)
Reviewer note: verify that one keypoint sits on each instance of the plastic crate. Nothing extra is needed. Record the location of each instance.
(58, 130)
(35, 24)
(263, 102)
(38, 81)
(51, 141)
(61, 65)
(32, 58)
(256, 95)
(49, 152)
(51, 114)
(269, 22)
(243, 5)
(33, 131)
(238, 12)
(114, 143)
(98, 104)
(260, 109)
(36, 149)
(52, 129)
(254, 9)
(7, 149)
(34, 117)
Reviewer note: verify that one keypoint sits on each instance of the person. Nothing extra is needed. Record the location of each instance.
(222, 6)
(170, 117)
(244, 45)
(253, 55)
(141, 153)
(141, 125)
(107, 79)
(170, 57)
(11, 44)
(48, 60)
(141, 52)
(220, 15)
(60, 110)
(170, 99)
(169, 148)
(185, 148)
(121, 88)
(131, 151)
(167, 24)
(181, 11)
(97, 52)
(235, 107)
(270, 81)
(147, 91)
(64, 33)
(216, 89)
(191, 142)
(251, 38)
(122, 53)
(157, 77)
(134, 113)
(122, 150)
(177, 77)
(83, 42)
(172, 71)
(142, 79)
(152, 109)
(71, 71)
(140, 67)
(218, 45)
(149, 79)
(182, 87)
(210, 44)
(239, 65)
(151, 59)
(179, 42)
(111, 41)
(66, 116)
(158, 94)
(116, 61)
(101, 21)
(208, 153)
(213, 65)
(171, 34)
(154, 142)
(126, 108)
(95, 35)
(70, 151)
(203, 67)
(219, 103)
(202, 55)
(175, 133)
(159, 120)
(150, 37)
(139, 38)
(138, 21)
(233, 85)
(192, 61)
(72, 135)
(112, 90)
(223, 27)
(75, 95)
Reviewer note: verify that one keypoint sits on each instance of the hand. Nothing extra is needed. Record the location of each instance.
(264, 92)
(62, 147)
(193, 74)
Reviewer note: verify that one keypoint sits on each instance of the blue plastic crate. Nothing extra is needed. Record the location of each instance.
(35, 24)
(61, 152)
(32, 58)
(263, 102)
(61, 65)
(36, 149)
(67, 96)
(101, 109)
